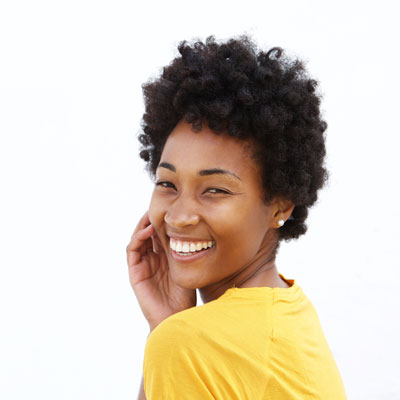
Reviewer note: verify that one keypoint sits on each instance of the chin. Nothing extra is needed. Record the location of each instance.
(188, 281)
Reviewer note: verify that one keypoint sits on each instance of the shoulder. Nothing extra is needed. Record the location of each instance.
(215, 329)
(203, 350)
(183, 328)
(178, 356)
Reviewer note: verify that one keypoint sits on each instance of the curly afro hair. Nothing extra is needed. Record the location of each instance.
(260, 96)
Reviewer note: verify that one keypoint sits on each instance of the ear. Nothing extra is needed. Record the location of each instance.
(282, 210)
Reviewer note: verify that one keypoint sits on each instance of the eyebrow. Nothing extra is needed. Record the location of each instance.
(203, 172)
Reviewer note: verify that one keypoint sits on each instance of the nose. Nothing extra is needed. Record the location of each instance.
(181, 213)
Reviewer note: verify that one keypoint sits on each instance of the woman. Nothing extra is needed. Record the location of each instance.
(235, 142)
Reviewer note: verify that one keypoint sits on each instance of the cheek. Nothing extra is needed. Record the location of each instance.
(242, 229)
(246, 218)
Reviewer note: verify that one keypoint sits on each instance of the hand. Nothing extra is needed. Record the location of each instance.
(150, 279)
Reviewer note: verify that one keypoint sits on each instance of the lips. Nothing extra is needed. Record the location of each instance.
(191, 257)
(187, 249)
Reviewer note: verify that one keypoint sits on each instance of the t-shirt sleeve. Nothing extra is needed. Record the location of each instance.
(175, 364)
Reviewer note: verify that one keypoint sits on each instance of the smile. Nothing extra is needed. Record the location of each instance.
(189, 248)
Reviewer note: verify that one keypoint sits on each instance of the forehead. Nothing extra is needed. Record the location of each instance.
(198, 150)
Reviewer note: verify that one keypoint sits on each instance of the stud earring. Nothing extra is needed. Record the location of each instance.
(281, 222)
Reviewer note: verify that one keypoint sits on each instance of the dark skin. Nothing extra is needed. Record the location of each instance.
(208, 188)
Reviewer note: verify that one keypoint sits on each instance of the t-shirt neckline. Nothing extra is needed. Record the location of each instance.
(262, 291)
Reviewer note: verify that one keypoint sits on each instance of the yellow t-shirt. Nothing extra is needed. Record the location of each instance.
(250, 343)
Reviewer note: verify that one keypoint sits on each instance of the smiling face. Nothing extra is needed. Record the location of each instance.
(208, 193)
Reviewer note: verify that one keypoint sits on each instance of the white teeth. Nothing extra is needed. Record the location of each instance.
(187, 248)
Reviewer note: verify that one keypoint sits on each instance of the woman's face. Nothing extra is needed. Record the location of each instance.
(208, 192)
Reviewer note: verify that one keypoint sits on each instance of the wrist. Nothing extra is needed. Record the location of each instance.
(153, 323)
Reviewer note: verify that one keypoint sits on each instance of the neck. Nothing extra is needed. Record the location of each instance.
(261, 271)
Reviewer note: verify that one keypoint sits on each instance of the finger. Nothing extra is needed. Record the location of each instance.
(157, 246)
(143, 223)
(154, 245)
(149, 245)
(138, 244)
(137, 250)
(133, 258)
(139, 238)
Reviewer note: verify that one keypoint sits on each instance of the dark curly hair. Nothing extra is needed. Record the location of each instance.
(261, 96)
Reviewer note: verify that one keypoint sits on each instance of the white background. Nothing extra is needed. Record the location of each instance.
(73, 187)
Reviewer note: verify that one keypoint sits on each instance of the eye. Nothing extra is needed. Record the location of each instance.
(217, 191)
(165, 184)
